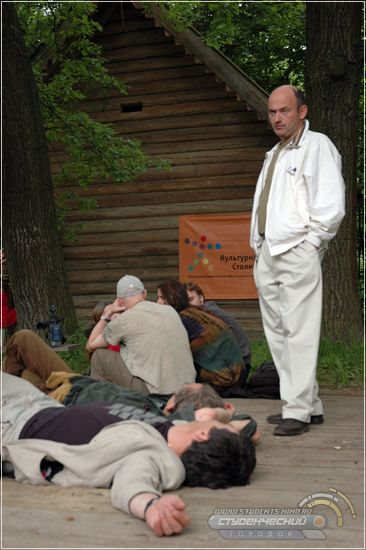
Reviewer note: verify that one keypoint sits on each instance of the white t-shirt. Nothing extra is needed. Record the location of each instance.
(154, 346)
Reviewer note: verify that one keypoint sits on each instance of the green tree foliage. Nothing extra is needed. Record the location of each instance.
(68, 64)
(265, 39)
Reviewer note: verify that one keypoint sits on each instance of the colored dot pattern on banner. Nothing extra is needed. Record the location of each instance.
(201, 258)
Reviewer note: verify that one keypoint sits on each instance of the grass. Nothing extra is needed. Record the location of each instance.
(339, 364)
(77, 359)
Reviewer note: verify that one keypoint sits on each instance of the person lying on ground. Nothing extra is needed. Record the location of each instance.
(197, 298)
(216, 354)
(89, 445)
(191, 402)
(155, 355)
(29, 357)
(76, 389)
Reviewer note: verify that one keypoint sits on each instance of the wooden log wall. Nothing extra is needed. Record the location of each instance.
(215, 145)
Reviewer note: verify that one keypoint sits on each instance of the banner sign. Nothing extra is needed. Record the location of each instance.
(214, 253)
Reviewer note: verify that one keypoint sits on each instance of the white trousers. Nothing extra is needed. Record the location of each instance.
(290, 297)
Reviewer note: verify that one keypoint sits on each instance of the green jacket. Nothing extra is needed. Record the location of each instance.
(87, 390)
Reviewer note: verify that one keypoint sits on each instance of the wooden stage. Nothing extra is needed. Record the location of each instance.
(328, 459)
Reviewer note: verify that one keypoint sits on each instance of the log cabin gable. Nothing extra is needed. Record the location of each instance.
(189, 105)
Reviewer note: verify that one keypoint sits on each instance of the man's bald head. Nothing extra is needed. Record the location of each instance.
(299, 94)
(286, 111)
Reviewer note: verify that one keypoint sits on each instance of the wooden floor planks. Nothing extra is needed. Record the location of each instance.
(288, 470)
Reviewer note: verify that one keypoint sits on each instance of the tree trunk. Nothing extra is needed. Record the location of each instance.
(332, 82)
(31, 241)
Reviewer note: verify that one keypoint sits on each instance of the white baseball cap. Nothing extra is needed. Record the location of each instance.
(128, 286)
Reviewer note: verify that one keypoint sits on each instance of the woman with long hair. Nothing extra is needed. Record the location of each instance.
(197, 298)
(216, 354)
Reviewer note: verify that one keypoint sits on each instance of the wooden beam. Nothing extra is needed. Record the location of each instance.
(160, 211)
(246, 181)
(225, 70)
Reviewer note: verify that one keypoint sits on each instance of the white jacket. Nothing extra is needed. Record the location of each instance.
(20, 400)
(130, 457)
(307, 196)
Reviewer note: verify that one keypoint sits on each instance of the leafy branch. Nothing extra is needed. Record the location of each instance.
(68, 64)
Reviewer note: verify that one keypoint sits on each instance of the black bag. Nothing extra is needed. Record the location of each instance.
(263, 384)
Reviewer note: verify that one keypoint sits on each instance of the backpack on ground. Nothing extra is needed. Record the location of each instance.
(264, 383)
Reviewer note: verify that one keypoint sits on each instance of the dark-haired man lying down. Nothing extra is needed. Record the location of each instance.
(89, 445)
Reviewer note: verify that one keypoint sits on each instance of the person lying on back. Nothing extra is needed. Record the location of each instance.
(29, 357)
(90, 445)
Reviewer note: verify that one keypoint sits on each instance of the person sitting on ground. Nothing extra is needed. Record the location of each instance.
(216, 353)
(8, 311)
(28, 356)
(155, 353)
(197, 298)
(8, 321)
(89, 445)
(96, 315)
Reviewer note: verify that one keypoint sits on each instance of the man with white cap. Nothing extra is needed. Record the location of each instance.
(155, 354)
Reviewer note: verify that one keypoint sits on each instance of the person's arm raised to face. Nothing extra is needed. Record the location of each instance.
(96, 339)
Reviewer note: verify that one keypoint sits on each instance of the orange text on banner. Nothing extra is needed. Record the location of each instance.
(214, 252)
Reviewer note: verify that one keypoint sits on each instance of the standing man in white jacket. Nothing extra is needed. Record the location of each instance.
(298, 207)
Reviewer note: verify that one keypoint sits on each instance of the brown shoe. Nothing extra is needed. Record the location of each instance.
(274, 418)
(291, 426)
(277, 419)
